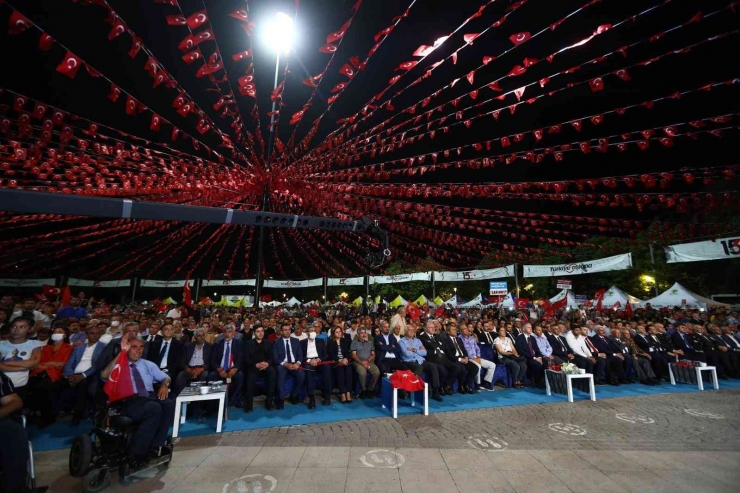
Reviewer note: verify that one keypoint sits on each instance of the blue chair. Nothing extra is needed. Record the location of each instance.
(501, 374)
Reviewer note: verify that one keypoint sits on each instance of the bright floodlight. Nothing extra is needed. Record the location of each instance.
(279, 33)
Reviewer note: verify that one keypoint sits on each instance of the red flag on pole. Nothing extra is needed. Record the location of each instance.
(66, 296)
(50, 291)
(119, 384)
(560, 304)
(629, 311)
(599, 297)
(187, 297)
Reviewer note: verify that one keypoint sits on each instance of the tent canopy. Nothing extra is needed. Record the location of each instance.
(678, 295)
(475, 302)
(399, 301)
(423, 300)
(292, 302)
(438, 301)
(614, 295)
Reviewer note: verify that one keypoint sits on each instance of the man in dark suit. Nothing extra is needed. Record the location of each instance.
(227, 361)
(732, 342)
(559, 344)
(456, 352)
(166, 352)
(388, 351)
(658, 355)
(314, 352)
(614, 360)
(526, 346)
(113, 348)
(621, 348)
(716, 351)
(81, 374)
(196, 362)
(436, 354)
(487, 335)
(287, 356)
(682, 341)
(259, 364)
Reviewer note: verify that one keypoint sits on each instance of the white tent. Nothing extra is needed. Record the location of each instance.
(571, 298)
(614, 295)
(474, 303)
(453, 301)
(292, 302)
(271, 303)
(678, 295)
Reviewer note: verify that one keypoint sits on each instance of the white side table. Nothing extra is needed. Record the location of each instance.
(699, 380)
(389, 397)
(181, 406)
(569, 381)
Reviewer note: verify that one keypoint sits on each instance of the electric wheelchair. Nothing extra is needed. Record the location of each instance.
(105, 447)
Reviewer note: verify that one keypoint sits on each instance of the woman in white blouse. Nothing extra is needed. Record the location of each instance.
(510, 358)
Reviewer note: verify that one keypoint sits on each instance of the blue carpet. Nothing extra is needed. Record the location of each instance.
(60, 435)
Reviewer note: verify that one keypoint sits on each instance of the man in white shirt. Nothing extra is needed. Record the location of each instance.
(19, 354)
(585, 357)
(175, 313)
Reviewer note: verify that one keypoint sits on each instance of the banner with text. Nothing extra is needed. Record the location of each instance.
(617, 262)
(417, 276)
(308, 283)
(565, 284)
(475, 275)
(27, 283)
(498, 288)
(149, 283)
(703, 250)
(231, 282)
(345, 281)
(123, 283)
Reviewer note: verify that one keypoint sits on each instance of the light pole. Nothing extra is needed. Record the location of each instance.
(278, 35)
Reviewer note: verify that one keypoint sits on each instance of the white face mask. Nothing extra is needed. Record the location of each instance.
(312, 335)
(57, 337)
(115, 323)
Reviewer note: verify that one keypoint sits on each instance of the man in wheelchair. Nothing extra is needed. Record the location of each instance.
(153, 411)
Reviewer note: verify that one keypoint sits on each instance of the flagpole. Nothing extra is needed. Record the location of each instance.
(434, 288)
(655, 276)
(516, 278)
(133, 294)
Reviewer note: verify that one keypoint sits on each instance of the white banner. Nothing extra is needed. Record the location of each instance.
(232, 282)
(309, 283)
(123, 283)
(617, 262)
(345, 281)
(475, 275)
(27, 283)
(416, 276)
(703, 250)
(148, 283)
(564, 284)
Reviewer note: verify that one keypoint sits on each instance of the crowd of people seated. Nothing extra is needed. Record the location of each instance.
(54, 355)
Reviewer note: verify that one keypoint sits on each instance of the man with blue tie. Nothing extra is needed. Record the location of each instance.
(166, 352)
(227, 357)
(287, 356)
(682, 340)
(154, 412)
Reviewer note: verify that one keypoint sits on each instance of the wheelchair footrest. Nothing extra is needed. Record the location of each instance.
(149, 465)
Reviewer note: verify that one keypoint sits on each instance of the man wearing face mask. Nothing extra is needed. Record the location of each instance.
(314, 350)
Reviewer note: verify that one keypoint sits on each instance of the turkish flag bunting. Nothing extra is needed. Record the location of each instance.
(118, 29)
(18, 23)
(119, 385)
(45, 42)
(192, 56)
(519, 38)
(241, 55)
(155, 122)
(384, 32)
(240, 15)
(50, 291)
(328, 48)
(130, 105)
(197, 19)
(407, 65)
(337, 35)
(69, 65)
(347, 70)
(176, 20)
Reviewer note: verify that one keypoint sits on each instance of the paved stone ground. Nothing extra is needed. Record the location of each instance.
(672, 442)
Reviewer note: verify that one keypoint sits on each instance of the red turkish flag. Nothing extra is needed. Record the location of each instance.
(156, 120)
(66, 296)
(45, 42)
(596, 84)
(130, 105)
(69, 65)
(176, 20)
(17, 23)
(520, 38)
(117, 29)
(521, 303)
(560, 304)
(197, 19)
(50, 291)
(189, 58)
(599, 297)
(337, 35)
(407, 381)
(347, 70)
(241, 55)
(618, 304)
(187, 296)
(628, 309)
(119, 385)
